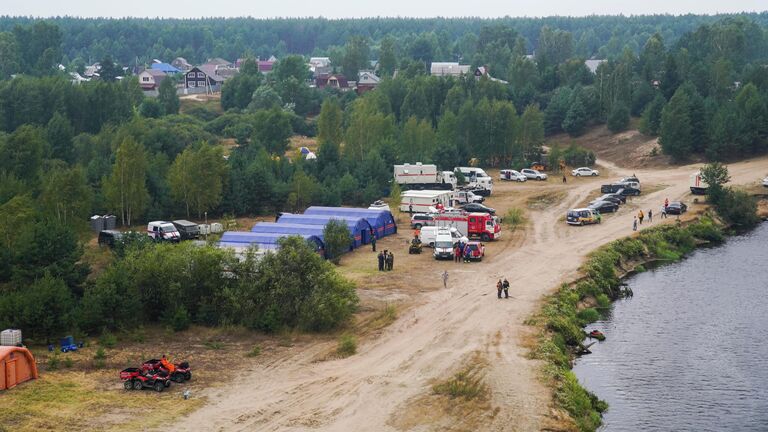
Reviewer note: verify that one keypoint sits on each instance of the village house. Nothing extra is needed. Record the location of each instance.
(181, 64)
(150, 79)
(367, 81)
(445, 69)
(320, 66)
(337, 81)
(202, 79)
(164, 67)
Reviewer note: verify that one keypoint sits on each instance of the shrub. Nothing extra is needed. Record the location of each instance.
(68, 362)
(180, 319)
(53, 362)
(100, 354)
(347, 346)
(588, 315)
(603, 301)
(108, 340)
(213, 345)
(618, 118)
(337, 240)
(254, 352)
(467, 384)
(514, 218)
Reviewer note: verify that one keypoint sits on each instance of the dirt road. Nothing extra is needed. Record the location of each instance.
(374, 389)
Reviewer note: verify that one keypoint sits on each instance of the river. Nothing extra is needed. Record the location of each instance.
(689, 352)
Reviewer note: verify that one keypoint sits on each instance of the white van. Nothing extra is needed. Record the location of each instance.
(477, 177)
(443, 245)
(428, 235)
(163, 231)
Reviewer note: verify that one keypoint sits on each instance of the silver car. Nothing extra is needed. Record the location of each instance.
(533, 174)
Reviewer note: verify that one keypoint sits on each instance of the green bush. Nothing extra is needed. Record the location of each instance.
(337, 240)
(53, 361)
(68, 362)
(100, 354)
(108, 340)
(180, 320)
(603, 301)
(588, 315)
(514, 218)
(467, 384)
(347, 346)
(254, 352)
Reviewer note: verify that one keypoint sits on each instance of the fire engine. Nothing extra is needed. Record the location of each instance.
(481, 225)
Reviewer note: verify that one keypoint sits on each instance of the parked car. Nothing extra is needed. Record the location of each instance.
(476, 250)
(585, 171)
(512, 175)
(419, 220)
(533, 174)
(618, 196)
(611, 198)
(604, 206)
(444, 242)
(582, 216)
(109, 238)
(163, 231)
(633, 178)
(478, 208)
(628, 191)
(676, 208)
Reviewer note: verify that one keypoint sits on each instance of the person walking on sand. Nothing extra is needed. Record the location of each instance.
(650, 215)
(499, 288)
(640, 216)
(505, 285)
(381, 261)
(445, 278)
(391, 261)
(634, 224)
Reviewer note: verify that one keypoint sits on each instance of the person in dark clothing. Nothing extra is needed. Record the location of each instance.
(650, 215)
(391, 260)
(505, 285)
(565, 180)
(499, 288)
(373, 243)
(381, 261)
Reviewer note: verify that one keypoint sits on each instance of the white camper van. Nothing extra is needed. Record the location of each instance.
(477, 178)
(421, 201)
(423, 177)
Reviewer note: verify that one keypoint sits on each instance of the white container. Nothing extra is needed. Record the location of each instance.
(217, 228)
(205, 229)
(10, 337)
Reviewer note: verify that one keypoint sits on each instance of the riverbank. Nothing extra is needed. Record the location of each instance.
(565, 313)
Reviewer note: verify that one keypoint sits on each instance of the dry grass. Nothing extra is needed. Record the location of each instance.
(545, 200)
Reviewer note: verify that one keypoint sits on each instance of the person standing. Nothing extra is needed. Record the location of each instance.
(505, 285)
(456, 253)
(565, 180)
(499, 288)
(467, 254)
(410, 207)
(373, 243)
(381, 261)
(650, 215)
(640, 216)
(445, 278)
(391, 261)
(663, 212)
(634, 224)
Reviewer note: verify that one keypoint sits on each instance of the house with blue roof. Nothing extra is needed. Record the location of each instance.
(165, 67)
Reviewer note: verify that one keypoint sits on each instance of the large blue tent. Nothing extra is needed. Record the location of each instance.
(358, 226)
(382, 221)
(289, 228)
(268, 238)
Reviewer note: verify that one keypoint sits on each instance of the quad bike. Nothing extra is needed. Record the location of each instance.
(414, 247)
(182, 372)
(136, 379)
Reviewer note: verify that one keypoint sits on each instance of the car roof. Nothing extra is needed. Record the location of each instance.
(580, 209)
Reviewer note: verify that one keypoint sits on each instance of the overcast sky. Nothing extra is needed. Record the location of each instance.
(345, 9)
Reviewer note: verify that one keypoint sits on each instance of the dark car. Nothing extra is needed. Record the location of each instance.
(676, 208)
(478, 208)
(612, 198)
(604, 206)
(611, 188)
(620, 197)
(109, 237)
(628, 191)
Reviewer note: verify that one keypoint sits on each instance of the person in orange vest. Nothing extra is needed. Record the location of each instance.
(167, 365)
(640, 216)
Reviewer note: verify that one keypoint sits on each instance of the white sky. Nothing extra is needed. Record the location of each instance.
(357, 8)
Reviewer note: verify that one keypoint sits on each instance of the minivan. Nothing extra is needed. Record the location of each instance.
(443, 244)
(582, 216)
(429, 235)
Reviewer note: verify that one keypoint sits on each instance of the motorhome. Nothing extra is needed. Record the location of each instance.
(419, 176)
(698, 185)
(478, 179)
(425, 201)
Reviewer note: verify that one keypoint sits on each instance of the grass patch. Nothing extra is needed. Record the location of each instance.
(544, 201)
(347, 346)
(53, 362)
(108, 340)
(514, 218)
(254, 352)
(385, 317)
(467, 384)
(213, 345)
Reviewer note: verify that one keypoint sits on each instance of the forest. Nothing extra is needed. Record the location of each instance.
(67, 151)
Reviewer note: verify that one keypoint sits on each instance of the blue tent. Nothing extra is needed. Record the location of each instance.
(267, 238)
(260, 246)
(358, 226)
(289, 229)
(382, 221)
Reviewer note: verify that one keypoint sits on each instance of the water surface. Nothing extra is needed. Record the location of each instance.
(689, 352)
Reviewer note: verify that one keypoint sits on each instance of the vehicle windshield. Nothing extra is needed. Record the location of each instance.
(444, 244)
(573, 214)
(168, 228)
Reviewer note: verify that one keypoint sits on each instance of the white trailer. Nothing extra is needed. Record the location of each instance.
(698, 185)
(477, 178)
(423, 177)
(420, 201)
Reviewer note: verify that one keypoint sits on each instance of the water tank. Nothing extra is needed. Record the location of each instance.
(10, 337)
(110, 222)
(97, 223)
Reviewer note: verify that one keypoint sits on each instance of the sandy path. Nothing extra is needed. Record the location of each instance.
(366, 391)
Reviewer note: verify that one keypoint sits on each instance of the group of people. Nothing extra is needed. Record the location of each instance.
(461, 251)
(386, 260)
(502, 287)
(641, 216)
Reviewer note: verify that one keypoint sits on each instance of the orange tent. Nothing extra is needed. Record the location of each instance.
(16, 366)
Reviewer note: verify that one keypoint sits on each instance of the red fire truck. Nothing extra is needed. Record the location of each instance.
(481, 225)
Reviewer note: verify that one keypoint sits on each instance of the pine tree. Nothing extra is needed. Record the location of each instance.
(675, 133)
(168, 98)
